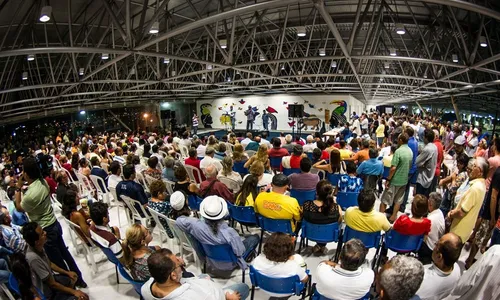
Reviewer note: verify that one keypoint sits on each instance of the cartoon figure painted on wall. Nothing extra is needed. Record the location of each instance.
(206, 118)
(338, 114)
(270, 117)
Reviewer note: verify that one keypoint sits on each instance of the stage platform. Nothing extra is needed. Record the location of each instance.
(219, 132)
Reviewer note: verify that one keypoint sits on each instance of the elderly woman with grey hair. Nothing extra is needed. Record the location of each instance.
(400, 278)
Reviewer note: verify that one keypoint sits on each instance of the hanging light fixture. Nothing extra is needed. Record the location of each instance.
(105, 56)
(81, 71)
(228, 78)
(454, 58)
(223, 43)
(174, 73)
(334, 64)
(400, 29)
(25, 75)
(425, 76)
(262, 58)
(341, 72)
(482, 42)
(301, 31)
(155, 28)
(282, 67)
(209, 67)
(166, 60)
(392, 51)
(45, 14)
(322, 52)
(203, 77)
(387, 65)
(31, 57)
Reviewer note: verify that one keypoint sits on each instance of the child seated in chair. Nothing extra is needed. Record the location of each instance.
(417, 224)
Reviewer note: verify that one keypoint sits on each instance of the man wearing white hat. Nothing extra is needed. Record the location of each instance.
(213, 230)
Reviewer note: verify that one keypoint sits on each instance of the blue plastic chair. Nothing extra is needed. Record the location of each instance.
(319, 233)
(333, 178)
(194, 202)
(239, 166)
(14, 286)
(222, 253)
(112, 258)
(136, 284)
(346, 200)
(369, 239)
(275, 162)
(288, 171)
(303, 196)
(285, 286)
(244, 215)
(309, 155)
(402, 243)
(386, 172)
(273, 225)
(317, 296)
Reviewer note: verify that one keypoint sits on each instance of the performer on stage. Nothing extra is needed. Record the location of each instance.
(195, 123)
(265, 119)
(232, 115)
(250, 117)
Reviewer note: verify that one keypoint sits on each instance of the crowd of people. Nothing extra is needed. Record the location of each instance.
(433, 179)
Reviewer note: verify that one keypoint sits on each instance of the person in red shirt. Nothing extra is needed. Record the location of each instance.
(417, 224)
(322, 146)
(297, 155)
(277, 150)
(193, 161)
(440, 159)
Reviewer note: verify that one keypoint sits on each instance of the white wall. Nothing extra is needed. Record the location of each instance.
(315, 105)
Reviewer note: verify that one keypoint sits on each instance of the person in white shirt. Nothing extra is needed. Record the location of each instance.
(200, 149)
(437, 228)
(247, 141)
(278, 259)
(263, 140)
(311, 145)
(364, 122)
(441, 277)
(210, 160)
(356, 126)
(115, 177)
(351, 279)
(185, 140)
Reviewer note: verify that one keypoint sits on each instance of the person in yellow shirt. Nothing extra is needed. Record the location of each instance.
(344, 152)
(363, 217)
(248, 191)
(277, 205)
(380, 132)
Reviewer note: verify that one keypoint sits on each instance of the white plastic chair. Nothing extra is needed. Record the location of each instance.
(139, 178)
(7, 292)
(119, 204)
(184, 242)
(321, 173)
(105, 167)
(57, 164)
(56, 205)
(231, 184)
(170, 186)
(135, 213)
(99, 184)
(88, 250)
(163, 231)
(86, 187)
(192, 171)
(70, 177)
(149, 179)
(184, 151)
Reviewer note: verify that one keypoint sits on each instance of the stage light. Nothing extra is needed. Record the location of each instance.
(155, 28)
(31, 57)
(166, 60)
(301, 31)
(392, 51)
(322, 52)
(81, 71)
(105, 56)
(82, 112)
(334, 64)
(45, 14)
(482, 42)
(400, 29)
(25, 75)
(145, 115)
(387, 65)
(454, 58)
(262, 58)
(223, 43)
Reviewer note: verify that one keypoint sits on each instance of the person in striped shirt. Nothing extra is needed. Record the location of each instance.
(11, 236)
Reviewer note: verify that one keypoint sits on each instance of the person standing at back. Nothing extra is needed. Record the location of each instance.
(36, 203)
(426, 164)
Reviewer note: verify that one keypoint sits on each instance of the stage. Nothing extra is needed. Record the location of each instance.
(219, 132)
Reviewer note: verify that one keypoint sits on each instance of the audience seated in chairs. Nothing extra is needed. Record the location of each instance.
(194, 162)
(24, 276)
(79, 217)
(238, 154)
(371, 170)
(114, 178)
(168, 171)
(363, 217)
(98, 171)
(227, 172)
(277, 205)
(257, 169)
(277, 150)
(324, 210)
(417, 224)
(305, 180)
(349, 279)
(248, 192)
(295, 158)
(442, 275)
(63, 185)
(102, 233)
(400, 278)
(220, 151)
(210, 160)
(212, 186)
(349, 183)
(436, 218)
(130, 188)
(335, 166)
(136, 251)
(60, 286)
(152, 169)
(160, 202)
(183, 182)
(9, 234)
(278, 259)
(213, 230)
(166, 273)
(261, 156)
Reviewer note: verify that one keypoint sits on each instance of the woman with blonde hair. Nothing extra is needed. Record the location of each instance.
(261, 156)
(136, 251)
(227, 172)
(257, 170)
(238, 154)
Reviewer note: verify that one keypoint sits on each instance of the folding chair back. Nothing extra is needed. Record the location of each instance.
(85, 242)
(243, 214)
(402, 243)
(136, 284)
(346, 200)
(170, 186)
(282, 285)
(139, 178)
(100, 185)
(239, 166)
(194, 173)
(137, 208)
(290, 171)
(231, 184)
(303, 196)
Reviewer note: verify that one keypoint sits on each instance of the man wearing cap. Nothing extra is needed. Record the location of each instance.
(11, 236)
(213, 230)
(277, 205)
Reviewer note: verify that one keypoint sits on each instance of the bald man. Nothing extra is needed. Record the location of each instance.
(212, 186)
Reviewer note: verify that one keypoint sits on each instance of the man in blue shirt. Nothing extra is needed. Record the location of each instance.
(99, 172)
(370, 170)
(130, 188)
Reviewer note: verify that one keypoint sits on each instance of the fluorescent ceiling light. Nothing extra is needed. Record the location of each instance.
(174, 73)
(301, 31)
(82, 112)
(334, 64)
(209, 67)
(155, 28)
(228, 78)
(105, 56)
(262, 58)
(282, 67)
(166, 60)
(25, 75)
(341, 72)
(31, 57)
(45, 14)
(482, 42)
(400, 29)
(81, 71)
(392, 51)
(387, 65)
(223, 43)
(322, 52)
(454, 58)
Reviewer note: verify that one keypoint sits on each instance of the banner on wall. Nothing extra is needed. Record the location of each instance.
(271, 112)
